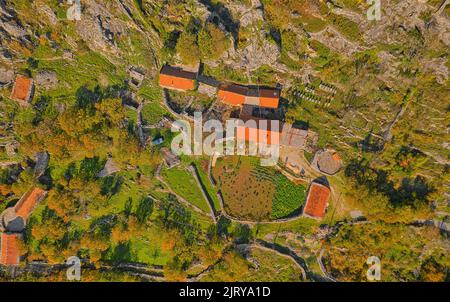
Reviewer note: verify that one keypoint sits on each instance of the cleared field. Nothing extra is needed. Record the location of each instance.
(245, 195)
(273, 267)
(253, 192)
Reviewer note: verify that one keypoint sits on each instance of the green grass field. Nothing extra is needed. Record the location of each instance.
(182, 182)
(152, 113)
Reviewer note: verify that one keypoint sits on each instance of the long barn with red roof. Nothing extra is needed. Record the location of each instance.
(177, 78)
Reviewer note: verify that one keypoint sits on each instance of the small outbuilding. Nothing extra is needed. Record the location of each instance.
(316, 201)
(10, 249)
(328, 161)
(23, 89)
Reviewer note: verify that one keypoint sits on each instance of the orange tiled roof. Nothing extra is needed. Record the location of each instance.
(269, 135)
(237, 95)
(9, 249)
(28, 202)
(268, 97)
(22, 88)
(268, 102)
(175, 78)
(232, 94)
(317, 200)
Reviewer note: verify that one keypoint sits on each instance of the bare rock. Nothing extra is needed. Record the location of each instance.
(6, 77)
(99, 28)
(439, 69)
(260, 49)
(334, 40)
(46, 79)
(13, 29)
(46, 11)
(110, 168)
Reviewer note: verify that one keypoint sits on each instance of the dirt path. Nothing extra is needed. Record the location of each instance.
(142, 139)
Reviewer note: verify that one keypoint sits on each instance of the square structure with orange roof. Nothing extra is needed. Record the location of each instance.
(316, 201)
(28, 202)
(23, 89)
(9, 249)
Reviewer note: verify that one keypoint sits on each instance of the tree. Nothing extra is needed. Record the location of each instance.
(188, 49)
(212, 42)
(144, 209)
(242, 233)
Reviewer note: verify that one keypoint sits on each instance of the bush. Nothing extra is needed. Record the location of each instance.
(188, 49)
(212, 42)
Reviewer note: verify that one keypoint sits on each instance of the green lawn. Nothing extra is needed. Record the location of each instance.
(183, 183)
(152, 112)
(208, 185)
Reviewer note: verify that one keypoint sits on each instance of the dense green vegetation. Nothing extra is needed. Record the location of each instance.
(288, 197)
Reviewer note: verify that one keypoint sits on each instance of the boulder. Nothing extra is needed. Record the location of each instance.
(6, 77)
(46, 79)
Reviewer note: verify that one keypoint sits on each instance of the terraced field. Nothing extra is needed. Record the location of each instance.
(253, 192)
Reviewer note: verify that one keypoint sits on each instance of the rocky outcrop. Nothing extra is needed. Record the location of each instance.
(6, 77)
(47, 12)
(46, 79)
(334, 40)
(10, 25)
(109, 168)
(99, 28)
(403, 16)
(259, 48)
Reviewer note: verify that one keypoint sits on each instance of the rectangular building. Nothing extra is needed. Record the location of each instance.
(177, 78)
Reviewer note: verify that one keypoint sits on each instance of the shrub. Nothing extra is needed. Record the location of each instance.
(188, 49)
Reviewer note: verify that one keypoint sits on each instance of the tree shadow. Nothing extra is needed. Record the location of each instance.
(122, 253)
(86, 97)
(323, 180)
(371, 144)
(408, 192)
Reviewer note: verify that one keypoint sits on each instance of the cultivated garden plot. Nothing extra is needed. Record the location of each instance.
(258, 193)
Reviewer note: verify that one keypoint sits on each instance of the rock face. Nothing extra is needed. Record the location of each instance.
(10, 26)
(258, 49)
(335, 41)
(99, 28)
(46, 79)
(261, 49)
(42, 159)
(401, 16)
(110, 168)
(438, 68)
(6, 77)
(46, 11)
